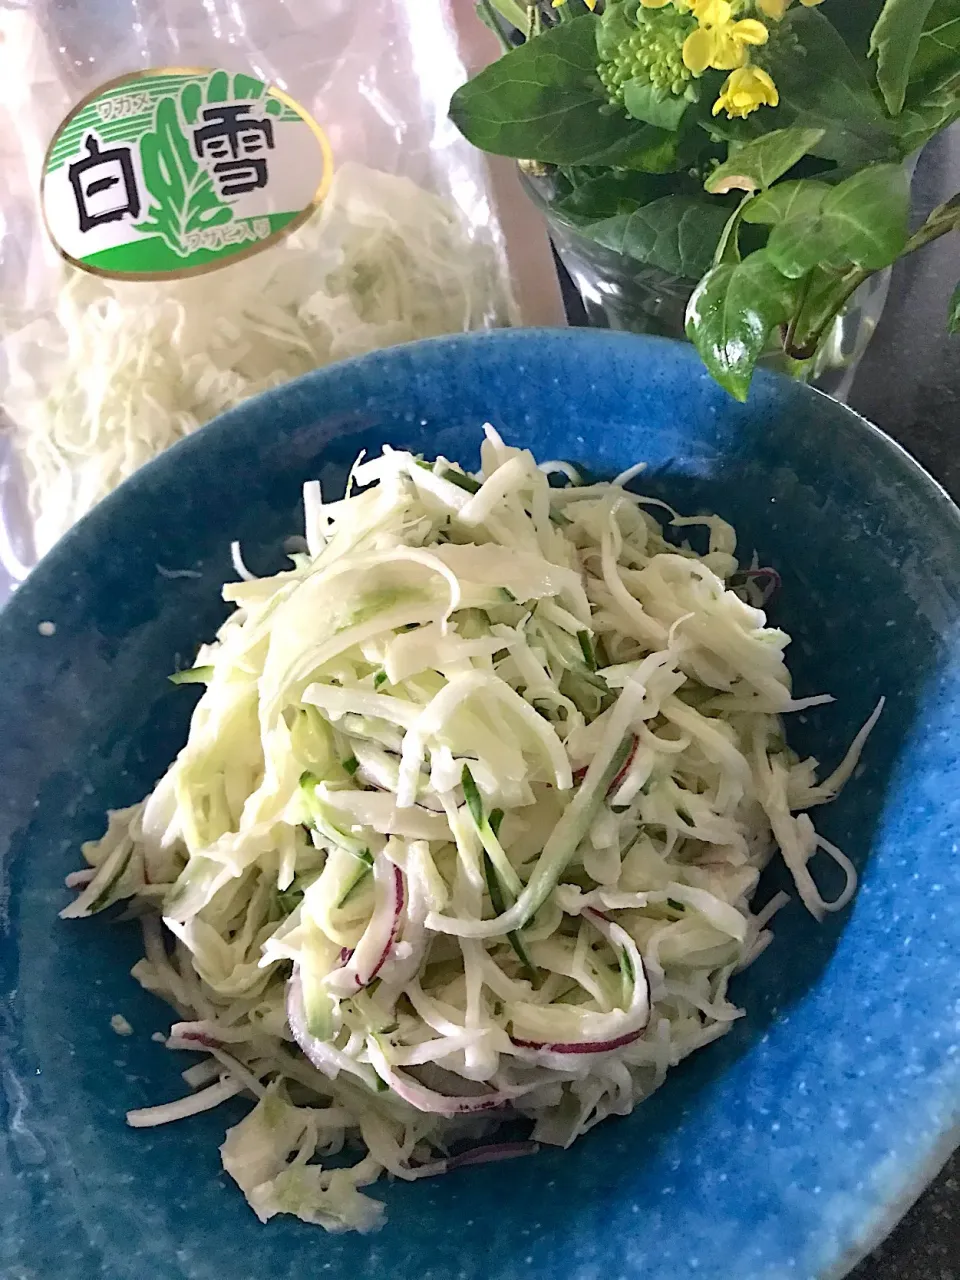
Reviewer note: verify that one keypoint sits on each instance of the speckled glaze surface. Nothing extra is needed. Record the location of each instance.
(785, 1149)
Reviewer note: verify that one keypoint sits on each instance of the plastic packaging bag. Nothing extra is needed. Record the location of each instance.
(410, 238)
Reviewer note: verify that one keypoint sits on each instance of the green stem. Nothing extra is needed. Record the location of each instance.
(946, 217)
(486, 14)
(728, 247)
(789, 337)
(942, 221)
(515, 14)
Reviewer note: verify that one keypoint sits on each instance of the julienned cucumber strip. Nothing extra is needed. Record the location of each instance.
(569, 831)
(490, 828)
(514, 937)
(587, 649)
(319, 819)
(505, 870)
(360, 874)
(462, 481)
(192, 675)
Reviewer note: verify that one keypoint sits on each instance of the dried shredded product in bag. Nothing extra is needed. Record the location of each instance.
(99, 374)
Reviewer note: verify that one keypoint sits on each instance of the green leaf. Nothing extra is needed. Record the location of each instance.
(594, 198)
(916, 125)
(862, 222)
(953, 315)
(646, 149)
(731, 314)
(652, 106)
(855, 23)
(937, 63)
(543, 100)
(823, 86)
(893, 42)
(678, 234)
(799, 199)
(760, 163)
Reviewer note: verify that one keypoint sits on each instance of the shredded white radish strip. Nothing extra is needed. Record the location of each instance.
(847, 867)
(201, 1073)
(776, 903)
(623, 479)
(313, 518)
(79, 879)
(240, 568)
(558, 467)
(205, 1100)
(235, 1068)
(831, 786)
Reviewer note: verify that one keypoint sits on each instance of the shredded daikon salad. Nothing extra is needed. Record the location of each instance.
(466, 828)
(112, 372)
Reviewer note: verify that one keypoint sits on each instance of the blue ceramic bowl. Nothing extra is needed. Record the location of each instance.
(784, 1150)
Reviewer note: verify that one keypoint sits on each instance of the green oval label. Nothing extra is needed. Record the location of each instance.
(179, 171)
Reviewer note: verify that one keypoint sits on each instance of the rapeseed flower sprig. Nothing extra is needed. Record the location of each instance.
(721, 35)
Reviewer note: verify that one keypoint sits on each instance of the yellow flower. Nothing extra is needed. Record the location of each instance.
(777, 8)
(719, 41)
(591, 4)
(745, 89)
(714, 13)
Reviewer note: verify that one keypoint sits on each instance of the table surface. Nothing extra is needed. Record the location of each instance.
(909, 384)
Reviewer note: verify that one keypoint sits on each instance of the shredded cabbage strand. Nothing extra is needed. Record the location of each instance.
(467, 824)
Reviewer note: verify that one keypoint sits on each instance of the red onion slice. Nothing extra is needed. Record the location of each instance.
(773, 580)
(580, 1046)
(629, 1024)
(373, 949)
(580, 774)
(439, 1104)
(327, 1059)
(187, 1039)
(411, 944)
(478, 1155)
(625, 768)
